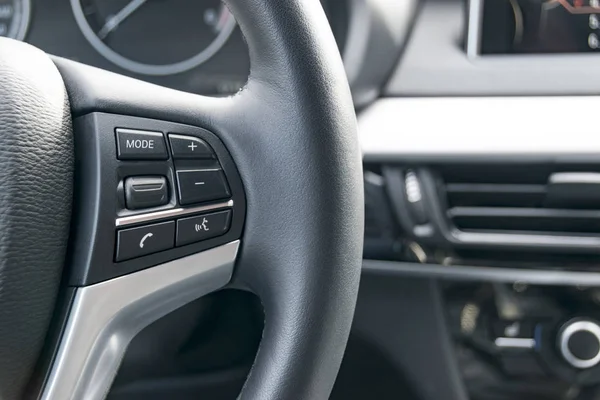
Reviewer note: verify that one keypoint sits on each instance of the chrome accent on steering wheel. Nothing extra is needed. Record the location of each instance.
(106, 316)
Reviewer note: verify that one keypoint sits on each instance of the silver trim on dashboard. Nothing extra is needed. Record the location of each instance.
(105, 317)
(574, 178)
(479, 273)
(540, 240)
(514, 343)
(474, 28)
(538, 127)
(172, 213)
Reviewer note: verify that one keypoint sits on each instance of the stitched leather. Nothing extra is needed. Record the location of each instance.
(292, 133)
(36, 168)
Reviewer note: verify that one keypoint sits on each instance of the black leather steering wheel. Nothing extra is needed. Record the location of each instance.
(287, 146)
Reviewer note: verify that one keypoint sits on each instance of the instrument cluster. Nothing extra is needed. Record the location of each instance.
(190, 45)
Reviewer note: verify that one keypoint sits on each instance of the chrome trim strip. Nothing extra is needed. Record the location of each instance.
(488, 274)
(22, 27)
(474, 27)
(396, 128)
(198, 170)
(172, 213)
(106, 316)
(514, 343)
(574, 178)
(570, 330)
(517, 239)
(137, 131)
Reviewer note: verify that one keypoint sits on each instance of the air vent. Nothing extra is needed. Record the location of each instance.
(532, 199)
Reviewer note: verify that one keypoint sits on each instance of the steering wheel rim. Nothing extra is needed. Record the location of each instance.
(291, 132)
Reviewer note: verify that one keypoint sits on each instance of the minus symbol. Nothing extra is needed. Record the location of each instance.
(199, 183)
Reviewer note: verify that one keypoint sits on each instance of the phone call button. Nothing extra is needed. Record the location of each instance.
(136, 242)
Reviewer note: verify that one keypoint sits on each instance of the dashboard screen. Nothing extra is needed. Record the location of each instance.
(538, 26)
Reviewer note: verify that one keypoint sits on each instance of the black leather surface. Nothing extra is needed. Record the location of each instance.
(292, 133)
(36, 167)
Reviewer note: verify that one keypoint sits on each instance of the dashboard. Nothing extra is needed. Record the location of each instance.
(491, 182)
(189, 45)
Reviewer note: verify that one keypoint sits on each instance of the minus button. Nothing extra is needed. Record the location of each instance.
(197, 186)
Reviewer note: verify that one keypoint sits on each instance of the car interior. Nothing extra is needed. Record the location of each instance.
(299, 199)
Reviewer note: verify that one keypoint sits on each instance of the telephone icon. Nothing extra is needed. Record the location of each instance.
(146, 236)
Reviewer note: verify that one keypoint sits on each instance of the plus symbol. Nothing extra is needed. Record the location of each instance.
(193, 146)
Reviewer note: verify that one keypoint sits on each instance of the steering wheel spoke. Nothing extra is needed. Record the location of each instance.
(105, 317)
(157, 223)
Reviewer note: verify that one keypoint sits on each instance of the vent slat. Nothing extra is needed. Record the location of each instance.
(525, 219)
(512, 202)
(500, 212)
(495, 195)
(494, 188)
(532, 224)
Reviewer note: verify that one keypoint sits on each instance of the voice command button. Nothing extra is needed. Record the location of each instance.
(202, 227)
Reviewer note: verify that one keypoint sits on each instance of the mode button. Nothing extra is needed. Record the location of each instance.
(140, 145)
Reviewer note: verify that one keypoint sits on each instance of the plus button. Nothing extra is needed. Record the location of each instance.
(192, 146)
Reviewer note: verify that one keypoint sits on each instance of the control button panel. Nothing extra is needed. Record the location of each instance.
(196, 186)
(539, 340)
(147, 175)
(140, 145)
(202, 227)
(189, 147)
(137, 242)
(145, 192)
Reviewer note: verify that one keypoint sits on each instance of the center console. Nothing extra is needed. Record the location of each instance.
(524, 341)
(514, 243)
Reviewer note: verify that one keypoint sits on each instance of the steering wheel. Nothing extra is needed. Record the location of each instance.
(122, 201)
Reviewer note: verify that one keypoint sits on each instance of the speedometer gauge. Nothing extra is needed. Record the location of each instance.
(14, 18)
(155, 37)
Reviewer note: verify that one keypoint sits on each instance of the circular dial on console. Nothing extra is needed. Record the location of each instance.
(155, 37)
(14, 18)
(579, 343)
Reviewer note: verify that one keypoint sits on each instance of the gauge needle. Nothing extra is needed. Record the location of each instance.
(113, 22)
